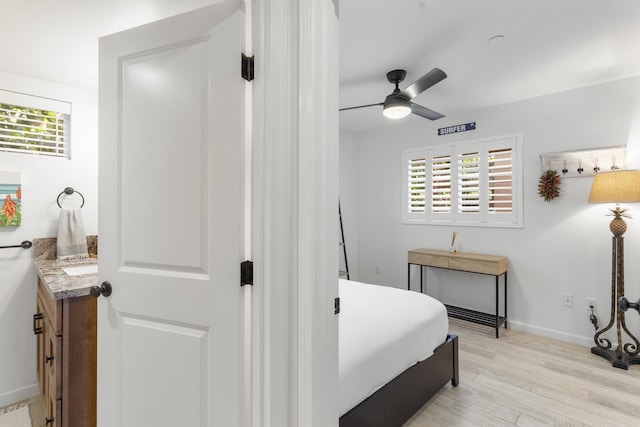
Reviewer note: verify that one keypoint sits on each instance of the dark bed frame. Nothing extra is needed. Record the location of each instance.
(403, 396)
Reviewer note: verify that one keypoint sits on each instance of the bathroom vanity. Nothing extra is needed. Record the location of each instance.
(66, 330)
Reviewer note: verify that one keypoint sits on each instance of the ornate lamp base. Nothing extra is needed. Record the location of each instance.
(623, 354)
(617, 362)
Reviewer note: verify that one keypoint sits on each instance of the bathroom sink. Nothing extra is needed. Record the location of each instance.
(78, 270)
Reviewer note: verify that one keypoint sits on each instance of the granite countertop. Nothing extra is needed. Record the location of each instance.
(59, 283)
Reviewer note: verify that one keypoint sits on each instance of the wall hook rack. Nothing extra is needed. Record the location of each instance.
(571, 162)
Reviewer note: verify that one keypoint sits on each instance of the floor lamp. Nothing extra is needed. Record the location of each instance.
(617, 187)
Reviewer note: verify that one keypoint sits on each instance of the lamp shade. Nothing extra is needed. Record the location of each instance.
(396, 107)
(616, 187)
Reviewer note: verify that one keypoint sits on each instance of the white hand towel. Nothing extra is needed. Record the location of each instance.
(72, 240)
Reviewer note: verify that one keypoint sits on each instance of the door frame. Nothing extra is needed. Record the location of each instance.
(294, 344)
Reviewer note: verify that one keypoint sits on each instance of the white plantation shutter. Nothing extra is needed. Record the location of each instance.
(440, 172)
(500, 174)
(34, 125)
(417, 184)
(467, 183)
(504, 181)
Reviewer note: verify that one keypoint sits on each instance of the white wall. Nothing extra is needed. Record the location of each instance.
(565, 245)
(42, 178)
(348, 193)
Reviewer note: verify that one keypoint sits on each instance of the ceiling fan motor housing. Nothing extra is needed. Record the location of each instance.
(396, 76)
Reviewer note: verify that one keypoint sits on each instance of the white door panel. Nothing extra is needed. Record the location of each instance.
(171, 194)
(163, 164)
(149, 382)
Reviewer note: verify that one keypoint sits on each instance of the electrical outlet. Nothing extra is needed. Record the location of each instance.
(592, 302)
(567, 300)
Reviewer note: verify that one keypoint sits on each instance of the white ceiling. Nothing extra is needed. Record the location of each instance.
(549, 46)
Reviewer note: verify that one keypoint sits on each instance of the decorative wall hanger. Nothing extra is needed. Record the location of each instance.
(549, 184)
(585, 162)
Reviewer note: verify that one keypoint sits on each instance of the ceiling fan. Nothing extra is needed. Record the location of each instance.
(398, 104)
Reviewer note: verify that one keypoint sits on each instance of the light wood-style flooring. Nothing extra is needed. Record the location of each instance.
(526, 380)
(521, 380)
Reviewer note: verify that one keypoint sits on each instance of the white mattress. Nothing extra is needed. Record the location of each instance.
(383, 331)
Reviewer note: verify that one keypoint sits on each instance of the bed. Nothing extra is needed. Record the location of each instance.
(395, 353)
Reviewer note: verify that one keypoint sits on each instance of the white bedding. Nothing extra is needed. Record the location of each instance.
(383, 331)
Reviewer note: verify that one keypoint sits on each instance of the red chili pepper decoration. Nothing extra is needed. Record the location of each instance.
(549, 185)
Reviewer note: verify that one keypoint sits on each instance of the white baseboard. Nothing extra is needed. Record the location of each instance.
(551, 333)
(17, 395)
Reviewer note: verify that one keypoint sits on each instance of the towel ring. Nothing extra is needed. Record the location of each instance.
(69, 191)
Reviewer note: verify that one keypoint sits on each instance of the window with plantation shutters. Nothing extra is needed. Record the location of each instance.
(474, 183)
(34, 125)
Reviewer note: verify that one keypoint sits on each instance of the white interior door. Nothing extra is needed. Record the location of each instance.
(170, 221)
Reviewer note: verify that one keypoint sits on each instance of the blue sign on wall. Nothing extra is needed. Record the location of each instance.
(457, 128)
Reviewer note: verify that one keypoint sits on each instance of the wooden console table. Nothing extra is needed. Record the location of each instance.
(473, 263)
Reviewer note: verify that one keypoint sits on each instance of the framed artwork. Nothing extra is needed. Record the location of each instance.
(10, 199)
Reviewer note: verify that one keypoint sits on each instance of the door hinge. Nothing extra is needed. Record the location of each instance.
(247, 67)
(336, 306)
(246, 273)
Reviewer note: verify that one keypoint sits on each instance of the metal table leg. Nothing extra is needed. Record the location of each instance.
(497, 307)
(505, 300)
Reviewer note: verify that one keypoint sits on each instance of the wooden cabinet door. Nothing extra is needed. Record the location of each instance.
(52, 408)
(52, 359)
(39, 322)
(52, 373)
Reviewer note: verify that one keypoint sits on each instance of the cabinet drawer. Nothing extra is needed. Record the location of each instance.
(474, 266)
(473, 263)
(52, 309)
(429, 260)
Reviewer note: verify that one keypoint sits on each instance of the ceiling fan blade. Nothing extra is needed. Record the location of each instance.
(423, 83)
(425, 112)
(361, 106)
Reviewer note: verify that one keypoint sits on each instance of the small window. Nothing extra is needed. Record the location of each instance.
(34, 125)
(466, 183)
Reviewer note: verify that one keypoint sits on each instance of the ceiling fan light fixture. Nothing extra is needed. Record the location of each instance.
(396, 107)
(398, 104)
